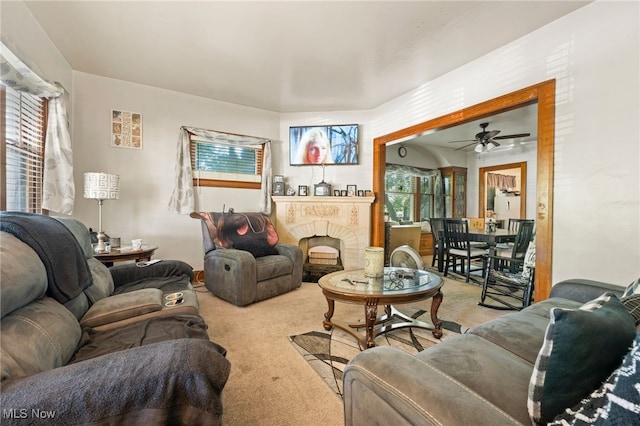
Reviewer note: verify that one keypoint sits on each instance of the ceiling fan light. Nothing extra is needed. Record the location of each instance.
(491, 145)
(479, 148)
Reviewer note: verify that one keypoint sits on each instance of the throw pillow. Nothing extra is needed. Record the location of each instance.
(633, 305)
(252, 232)
(623, 406)
(616, 402)
(633, 288)
(529, 260)
(580, 350)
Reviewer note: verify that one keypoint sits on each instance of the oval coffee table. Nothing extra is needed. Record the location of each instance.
(397, 286)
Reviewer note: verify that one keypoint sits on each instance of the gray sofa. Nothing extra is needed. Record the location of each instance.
(479, 378)
(84, 344)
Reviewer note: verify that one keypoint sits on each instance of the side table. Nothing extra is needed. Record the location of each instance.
(126, 253)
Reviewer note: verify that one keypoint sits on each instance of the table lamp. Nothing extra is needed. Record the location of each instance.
(101, 186)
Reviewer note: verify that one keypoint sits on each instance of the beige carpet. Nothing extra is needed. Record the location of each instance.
(270, 382)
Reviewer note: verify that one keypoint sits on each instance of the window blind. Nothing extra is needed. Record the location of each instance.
(227, 160)
(25, 128)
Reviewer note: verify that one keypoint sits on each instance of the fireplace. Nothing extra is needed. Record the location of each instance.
(347, 219)
(321, 256)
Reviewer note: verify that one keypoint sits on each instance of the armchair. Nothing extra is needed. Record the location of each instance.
(243, 261)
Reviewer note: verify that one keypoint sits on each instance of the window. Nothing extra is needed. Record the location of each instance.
(225, 165)
(409, 198)
(22, 151)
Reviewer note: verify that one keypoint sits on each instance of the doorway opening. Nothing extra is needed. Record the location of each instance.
(487, 195)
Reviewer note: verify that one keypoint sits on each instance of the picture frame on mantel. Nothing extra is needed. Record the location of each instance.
(322, 189)
(302, 190)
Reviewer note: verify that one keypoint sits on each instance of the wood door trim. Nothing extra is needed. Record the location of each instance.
(544, 94)
(482, 200)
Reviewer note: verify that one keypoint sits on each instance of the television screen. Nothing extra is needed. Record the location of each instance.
(309, 145)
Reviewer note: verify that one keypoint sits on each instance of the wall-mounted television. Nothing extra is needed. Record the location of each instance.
(335, 144)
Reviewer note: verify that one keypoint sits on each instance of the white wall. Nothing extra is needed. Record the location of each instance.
(338, 176)
(593, 54)
(22, 34)
(147, 175)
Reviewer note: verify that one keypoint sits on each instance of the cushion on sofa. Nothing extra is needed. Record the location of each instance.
(123, 306)
(581, 348)
(616, 402)
(26, 279)
(633, 305)
(168, 275)
(96, 343)
(252, 232)
(40, 336)
(633, 288)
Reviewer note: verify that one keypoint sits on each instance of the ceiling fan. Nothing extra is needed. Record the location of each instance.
(486, 140)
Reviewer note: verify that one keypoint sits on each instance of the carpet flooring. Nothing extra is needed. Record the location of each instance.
(270, 382)
(328, 352)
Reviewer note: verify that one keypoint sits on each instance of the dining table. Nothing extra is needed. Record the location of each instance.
(491, 238)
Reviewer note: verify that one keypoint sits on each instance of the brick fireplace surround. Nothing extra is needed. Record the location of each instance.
(345, 218)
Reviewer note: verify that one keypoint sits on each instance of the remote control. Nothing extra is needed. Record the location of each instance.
(148, 263)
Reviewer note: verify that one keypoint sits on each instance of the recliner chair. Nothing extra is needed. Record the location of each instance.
(239, 277)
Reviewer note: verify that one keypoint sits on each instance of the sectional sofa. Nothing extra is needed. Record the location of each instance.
(571, 359)
(81, 343)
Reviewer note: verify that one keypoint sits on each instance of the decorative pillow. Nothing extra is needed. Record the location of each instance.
(633, 288)
(529, 260)
(580, 350)
(623, 406)
(633, 305)
(616, 402)
(252, 232)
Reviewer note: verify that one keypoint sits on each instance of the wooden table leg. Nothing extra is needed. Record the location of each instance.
(371, 316)
(435, 305)
(329, 314)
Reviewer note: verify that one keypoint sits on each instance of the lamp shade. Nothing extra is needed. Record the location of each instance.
(101, 186)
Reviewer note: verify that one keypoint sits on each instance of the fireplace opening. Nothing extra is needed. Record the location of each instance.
(321, 255)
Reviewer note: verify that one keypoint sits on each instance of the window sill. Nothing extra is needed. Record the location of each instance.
(215, 183)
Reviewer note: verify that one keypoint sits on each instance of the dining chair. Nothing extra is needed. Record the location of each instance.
(514, 224)
(459, 249)
(437, 235)
(510, 287)
(518, 248)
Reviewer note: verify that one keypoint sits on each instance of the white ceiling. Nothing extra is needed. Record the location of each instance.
(517, 121)
(289, 56)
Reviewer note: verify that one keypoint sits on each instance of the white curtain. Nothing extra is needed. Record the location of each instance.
(58, 185)
(183, 197)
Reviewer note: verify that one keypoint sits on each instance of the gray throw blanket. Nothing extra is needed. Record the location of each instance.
(68, 273)
(176, 382)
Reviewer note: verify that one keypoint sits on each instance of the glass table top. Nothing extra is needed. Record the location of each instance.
(394, 281)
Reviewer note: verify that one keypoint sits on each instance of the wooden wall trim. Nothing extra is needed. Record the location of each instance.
(542, 93)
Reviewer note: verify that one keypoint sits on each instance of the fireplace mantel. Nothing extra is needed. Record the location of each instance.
(345, 218)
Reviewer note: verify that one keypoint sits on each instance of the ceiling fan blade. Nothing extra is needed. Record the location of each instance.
(466, 140)
(518, 135)
(463, 147)
(490, 135)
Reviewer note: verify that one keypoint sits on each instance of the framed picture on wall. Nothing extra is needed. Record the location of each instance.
(126, 129)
